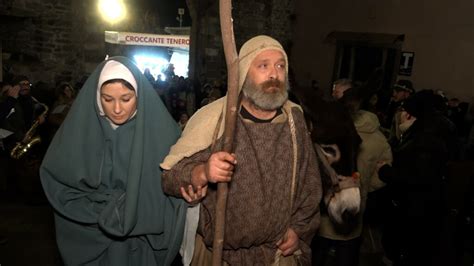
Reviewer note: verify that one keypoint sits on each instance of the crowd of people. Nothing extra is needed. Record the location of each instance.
(130, 165)
(406, 159)
(183, 96)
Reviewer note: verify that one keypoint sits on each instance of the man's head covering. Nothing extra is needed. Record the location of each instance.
(254, 47)
(114, 70)
(404, 85)
(199, 131)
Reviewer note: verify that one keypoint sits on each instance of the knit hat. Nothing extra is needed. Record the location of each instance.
(404, 85)
(254, 47)
(114, 70)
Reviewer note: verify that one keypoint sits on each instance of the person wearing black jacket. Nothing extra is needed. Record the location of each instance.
(415, 181)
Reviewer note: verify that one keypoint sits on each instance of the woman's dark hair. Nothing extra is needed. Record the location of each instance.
(121, 81)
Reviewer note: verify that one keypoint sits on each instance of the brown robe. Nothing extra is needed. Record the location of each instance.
(258, 206)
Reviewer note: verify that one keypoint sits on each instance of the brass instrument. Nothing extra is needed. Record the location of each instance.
(21, 148)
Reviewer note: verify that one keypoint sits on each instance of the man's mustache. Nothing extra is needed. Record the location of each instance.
(272, 83)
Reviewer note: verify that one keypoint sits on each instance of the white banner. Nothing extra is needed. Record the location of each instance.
(133, 38)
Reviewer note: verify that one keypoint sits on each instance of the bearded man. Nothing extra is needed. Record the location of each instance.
(274, 181)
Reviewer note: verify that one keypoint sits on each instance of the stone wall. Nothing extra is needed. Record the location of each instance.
(251, 18)
(38, 40)
(53, 41)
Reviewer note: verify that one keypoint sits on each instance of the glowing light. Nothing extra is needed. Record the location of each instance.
(158, 65)
(180, 62)
(155, 64)
(112, 10)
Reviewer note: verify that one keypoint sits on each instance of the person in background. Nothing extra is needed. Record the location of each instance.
(21, 113)
(62, 105)
(346, 240)
(7, 99)
(339, 87)
(401, 91)
(101, 176)
(149, 76)
(415, 182)
(183, 120)
(20, 110)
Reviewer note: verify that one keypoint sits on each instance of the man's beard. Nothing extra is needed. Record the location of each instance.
(269, 95)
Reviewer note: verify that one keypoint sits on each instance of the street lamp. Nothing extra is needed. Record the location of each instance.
(112, 10)
(180, 18)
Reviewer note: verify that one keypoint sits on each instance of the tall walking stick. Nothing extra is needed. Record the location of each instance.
(232, 61)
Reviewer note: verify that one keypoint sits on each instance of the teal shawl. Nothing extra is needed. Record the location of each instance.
(105, 184)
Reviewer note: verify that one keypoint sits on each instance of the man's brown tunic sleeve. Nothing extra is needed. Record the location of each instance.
(180, 174)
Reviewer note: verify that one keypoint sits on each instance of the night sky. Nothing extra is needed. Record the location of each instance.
(168, 11)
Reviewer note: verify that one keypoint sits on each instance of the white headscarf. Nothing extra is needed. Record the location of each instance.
(114, 70)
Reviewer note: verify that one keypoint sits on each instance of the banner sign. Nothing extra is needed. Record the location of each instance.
(133, 38)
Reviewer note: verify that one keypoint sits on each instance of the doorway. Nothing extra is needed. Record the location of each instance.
(358, 55)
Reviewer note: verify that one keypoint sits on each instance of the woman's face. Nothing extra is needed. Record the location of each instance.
(118, 101)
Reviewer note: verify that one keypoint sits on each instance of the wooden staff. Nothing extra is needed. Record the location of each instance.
(232, 61)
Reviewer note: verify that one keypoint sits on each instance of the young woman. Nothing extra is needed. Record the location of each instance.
(101, 173)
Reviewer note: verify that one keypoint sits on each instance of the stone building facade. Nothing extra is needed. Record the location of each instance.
(55, 41)
(250, 18)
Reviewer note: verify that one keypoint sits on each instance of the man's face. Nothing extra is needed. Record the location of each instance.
(25, 87)
(266, 84)
(338, 90)
(399, 95)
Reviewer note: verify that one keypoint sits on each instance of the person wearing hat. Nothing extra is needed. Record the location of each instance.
(102, 178)
(415, 181)
(401, 91)
(274, 182)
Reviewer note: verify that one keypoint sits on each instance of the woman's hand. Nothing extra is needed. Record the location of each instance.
(193, 196)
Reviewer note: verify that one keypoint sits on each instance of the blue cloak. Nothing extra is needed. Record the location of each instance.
(105, 184)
